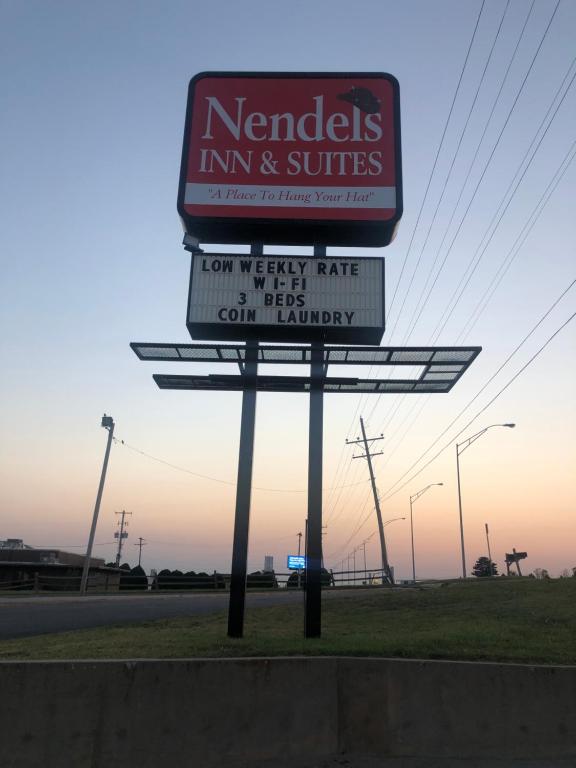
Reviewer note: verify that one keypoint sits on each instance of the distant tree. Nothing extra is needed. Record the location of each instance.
(292, 582)
(125, 567)
(484, 567)
(135, 579)
(189, 579)
(262, 580)
(204, 580)
(164, 579)
(565, 574)
(541, 573)
(177, 578)
(327, 579)
(574, 572)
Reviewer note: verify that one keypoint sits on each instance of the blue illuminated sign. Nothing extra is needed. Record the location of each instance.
(296, 562)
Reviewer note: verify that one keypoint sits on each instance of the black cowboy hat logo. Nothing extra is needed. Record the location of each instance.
(363, 98)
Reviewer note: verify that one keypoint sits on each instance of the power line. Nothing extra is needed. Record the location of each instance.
(489, 381)
(438, 153)
(455, 155)
(513, 251)
(487, 164)
(395, 407)
(217, 479)
(493, 149)
(408, 250)
(499, 209)
(389, 492)
(480, 412)
(478, 256)
(357, 528)
(497, 279)
(401, 398)
(518, 243)
(73, 546)
(466, 174)
(389, 495)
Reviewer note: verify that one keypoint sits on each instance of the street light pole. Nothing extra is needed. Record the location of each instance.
(462, 549)
(460, 448)
(414, 498)
(412, 542)
(392, 520)
(108, 423)
(364, 548)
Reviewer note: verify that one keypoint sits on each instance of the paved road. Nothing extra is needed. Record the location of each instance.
(24, 616)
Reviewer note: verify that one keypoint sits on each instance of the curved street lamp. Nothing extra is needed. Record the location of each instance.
(460, 448)
(393, 520)
(414, 498)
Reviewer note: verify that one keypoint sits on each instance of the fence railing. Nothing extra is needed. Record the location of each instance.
(127, 582)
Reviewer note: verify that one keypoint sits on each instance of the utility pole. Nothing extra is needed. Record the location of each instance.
(122, 535)
(365, 441)
(141, 543)
(108, 423)
(414, 498)
(299, 542)
(489, 554)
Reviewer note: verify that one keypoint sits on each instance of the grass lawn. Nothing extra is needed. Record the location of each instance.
(512, 620)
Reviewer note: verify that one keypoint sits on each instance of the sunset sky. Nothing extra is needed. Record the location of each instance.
(93, 103)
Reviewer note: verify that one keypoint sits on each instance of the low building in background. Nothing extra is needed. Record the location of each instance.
(13, 544)
(23, 567)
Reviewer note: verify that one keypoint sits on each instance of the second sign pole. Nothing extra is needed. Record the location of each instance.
(243, 489)
(313, 608)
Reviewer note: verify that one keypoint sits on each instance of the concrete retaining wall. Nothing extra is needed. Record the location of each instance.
(204, 713)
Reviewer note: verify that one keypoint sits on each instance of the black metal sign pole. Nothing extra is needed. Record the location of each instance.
(313, 607)
(243, 489)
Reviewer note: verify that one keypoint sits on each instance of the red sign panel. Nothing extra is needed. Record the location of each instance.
(290, 158)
